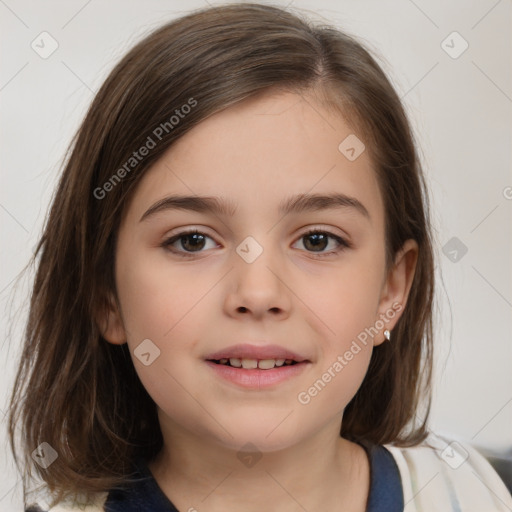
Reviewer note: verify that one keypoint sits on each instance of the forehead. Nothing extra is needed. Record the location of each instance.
(261, 150)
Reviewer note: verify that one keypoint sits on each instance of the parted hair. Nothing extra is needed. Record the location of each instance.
(81, 394)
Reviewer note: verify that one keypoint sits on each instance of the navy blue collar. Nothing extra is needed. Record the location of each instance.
(144, 495)
(386, 492)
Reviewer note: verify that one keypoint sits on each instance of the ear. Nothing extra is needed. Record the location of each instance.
(396, 287)
(110, 322)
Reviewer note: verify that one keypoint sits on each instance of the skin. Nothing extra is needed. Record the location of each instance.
(256, 154)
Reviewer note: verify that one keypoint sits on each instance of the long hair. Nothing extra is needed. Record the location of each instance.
(81, 394)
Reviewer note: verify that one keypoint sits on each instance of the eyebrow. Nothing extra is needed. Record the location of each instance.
(296, 204)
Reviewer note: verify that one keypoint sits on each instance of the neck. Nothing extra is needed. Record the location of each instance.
(326, 472)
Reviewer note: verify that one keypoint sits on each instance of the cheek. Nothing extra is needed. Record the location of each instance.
(346, 310)
(337, 381)
(155, 298)
(161, 313)
(347, 299)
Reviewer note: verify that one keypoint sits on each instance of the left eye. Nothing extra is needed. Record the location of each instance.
(194, 241)
(318, 240)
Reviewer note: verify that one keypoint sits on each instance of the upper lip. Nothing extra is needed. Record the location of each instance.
(249, 351)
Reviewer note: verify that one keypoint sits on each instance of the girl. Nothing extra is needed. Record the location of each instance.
(233, 302)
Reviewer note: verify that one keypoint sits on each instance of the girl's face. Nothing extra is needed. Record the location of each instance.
(254, 277)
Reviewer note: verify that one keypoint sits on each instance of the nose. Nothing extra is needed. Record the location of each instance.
(259, 285)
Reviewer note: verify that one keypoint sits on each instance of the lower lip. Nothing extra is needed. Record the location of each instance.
(256, 378)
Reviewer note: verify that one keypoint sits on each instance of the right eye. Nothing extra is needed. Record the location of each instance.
(191, 241)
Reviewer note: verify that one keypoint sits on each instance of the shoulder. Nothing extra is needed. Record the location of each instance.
(444, 474)
(95, 506)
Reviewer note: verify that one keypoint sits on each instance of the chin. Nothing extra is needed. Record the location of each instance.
(266, 436)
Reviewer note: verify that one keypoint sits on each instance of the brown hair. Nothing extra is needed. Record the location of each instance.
(81, 394)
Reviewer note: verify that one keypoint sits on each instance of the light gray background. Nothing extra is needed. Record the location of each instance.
(461, 112)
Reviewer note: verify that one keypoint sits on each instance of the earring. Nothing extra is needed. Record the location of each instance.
(387, 335)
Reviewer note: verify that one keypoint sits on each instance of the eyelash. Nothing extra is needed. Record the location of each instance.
(343, 244)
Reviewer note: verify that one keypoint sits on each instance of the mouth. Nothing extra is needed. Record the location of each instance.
(252, 364)
(250, 356)
(256, 366)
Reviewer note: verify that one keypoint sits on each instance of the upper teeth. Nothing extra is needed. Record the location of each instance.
(263, 364)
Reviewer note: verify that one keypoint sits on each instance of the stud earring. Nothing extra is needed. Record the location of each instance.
(387, 335)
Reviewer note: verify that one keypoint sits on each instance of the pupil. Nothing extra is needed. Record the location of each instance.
(198, 240)
(319, 240)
